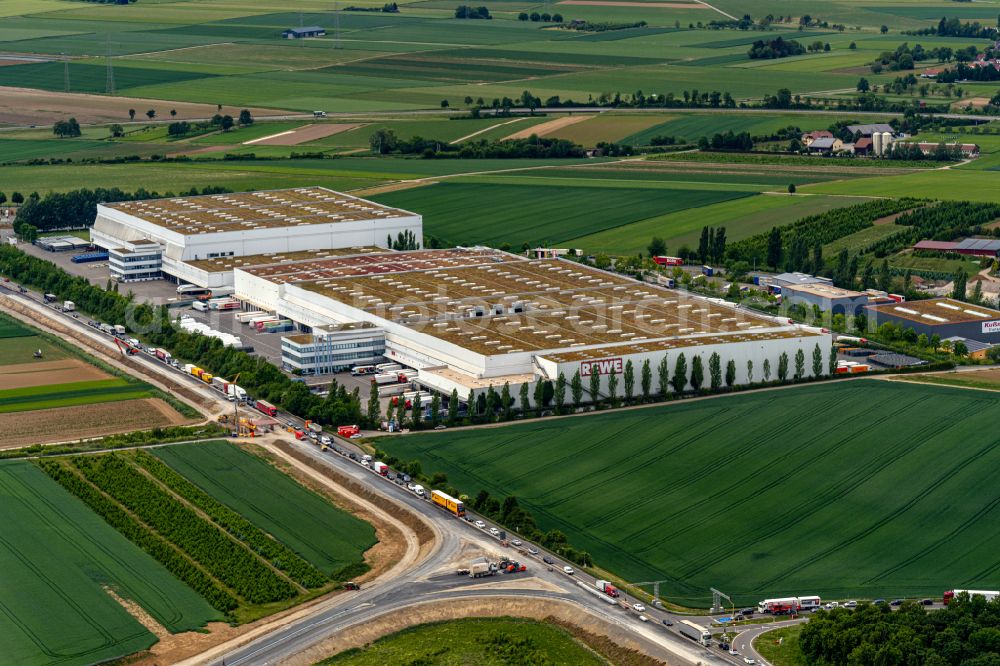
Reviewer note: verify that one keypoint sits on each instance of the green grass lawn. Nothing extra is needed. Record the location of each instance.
(67, 395)
(741, 217)
(18, 349)
(56, 557)
(754, 495)
(494, 213)
(329, 538)
(481, 641)
(960, 184)
(780, 647)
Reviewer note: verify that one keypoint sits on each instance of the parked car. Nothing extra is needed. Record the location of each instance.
(548, 560)
(480, 524)
(516, 542)
(440, 427)
(532, 551)
(724, 646)
(927, 602)
(668, 623)
(568, 570)
(748, 660)
(851, 604)
(639, 608)
(643, 618)
(733, 652)
(878, 602)
(896, 602)
(494, 531)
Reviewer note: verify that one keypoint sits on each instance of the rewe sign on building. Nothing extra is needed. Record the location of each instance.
(603, 367)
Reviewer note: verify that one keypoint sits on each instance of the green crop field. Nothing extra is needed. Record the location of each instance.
(58, 558)
(741, 217)
(936, 184)
(905, 260)
(20, 348)
(859, 240)
(74, 393)
(482, 641)
(851, 489)
(330, 539)
(519, 213)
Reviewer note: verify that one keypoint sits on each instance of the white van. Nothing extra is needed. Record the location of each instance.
(200, 306)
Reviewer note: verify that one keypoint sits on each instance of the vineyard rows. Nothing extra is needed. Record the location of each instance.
(153, 544)
(277, 553)
(220, 555)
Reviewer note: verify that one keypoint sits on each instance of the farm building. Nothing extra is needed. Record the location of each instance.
(198, 234)
(969, 150)
(944, 317)
(809, 137)
(977, 350)
(827, 297)
(871, 129)
(302, 33)
(826, 145)
(977, 247)
(468, 318)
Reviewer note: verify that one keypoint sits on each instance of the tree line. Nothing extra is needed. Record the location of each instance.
(386, 142)
(261, 379)
(964, 633)
(77, 209)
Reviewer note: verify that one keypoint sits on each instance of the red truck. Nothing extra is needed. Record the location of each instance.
(607, 588)
(668, 261)
(299, 434)
(348, 430)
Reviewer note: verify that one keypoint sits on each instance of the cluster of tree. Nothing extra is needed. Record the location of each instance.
(953, 27)
(387, 8)
(727, 141)
(469, 12)
(544, 17)
(775, 48)
(77, 209)
(405, 240)
(965, 633)
(774, 247)
(601, 26)
(904, 57)
(221, 556)
(15, 198)
(712, 244)
(66, 128)
(963, 72)
(260, 378)
(180, 128)
(665, 140)
(277, 553)
(818, 46)
(157, 547)
(385, 141)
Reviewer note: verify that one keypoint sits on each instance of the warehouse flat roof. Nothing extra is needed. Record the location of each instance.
(376, 264)
(520, 305)
(824, 290)
(226, 264)
(666, 345)
(245, 211)
(937, 311)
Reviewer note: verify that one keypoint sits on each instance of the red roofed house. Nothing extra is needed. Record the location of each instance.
(809, 137)
(863, 146)
(936, 246)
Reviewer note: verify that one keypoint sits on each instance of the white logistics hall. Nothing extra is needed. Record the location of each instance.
(190, 231)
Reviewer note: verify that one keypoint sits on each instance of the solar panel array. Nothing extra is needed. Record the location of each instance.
(938, 311)
(226, 264)
(246, 211)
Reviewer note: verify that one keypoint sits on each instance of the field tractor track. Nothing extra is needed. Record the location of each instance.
(82, 536)
(917, 497)
(802, 512)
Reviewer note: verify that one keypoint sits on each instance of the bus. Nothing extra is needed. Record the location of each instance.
(695, 632)
(448, 502)
(267, 408)
(789, 604)
(193, 290)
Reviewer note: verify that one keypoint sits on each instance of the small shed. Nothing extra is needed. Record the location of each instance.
(302, 33)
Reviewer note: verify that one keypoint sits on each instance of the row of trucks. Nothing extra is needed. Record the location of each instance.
(482, 567)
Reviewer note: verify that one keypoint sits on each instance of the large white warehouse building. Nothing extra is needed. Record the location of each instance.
(179, 238)
(468, 318)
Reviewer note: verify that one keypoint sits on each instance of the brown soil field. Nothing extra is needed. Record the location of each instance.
(60, 424)
(303, 134)
(974, 102)
(546, 128)
(616, 3)
(24, 106)
(45, 373)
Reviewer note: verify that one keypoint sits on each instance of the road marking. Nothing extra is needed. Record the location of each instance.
(300, 630)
